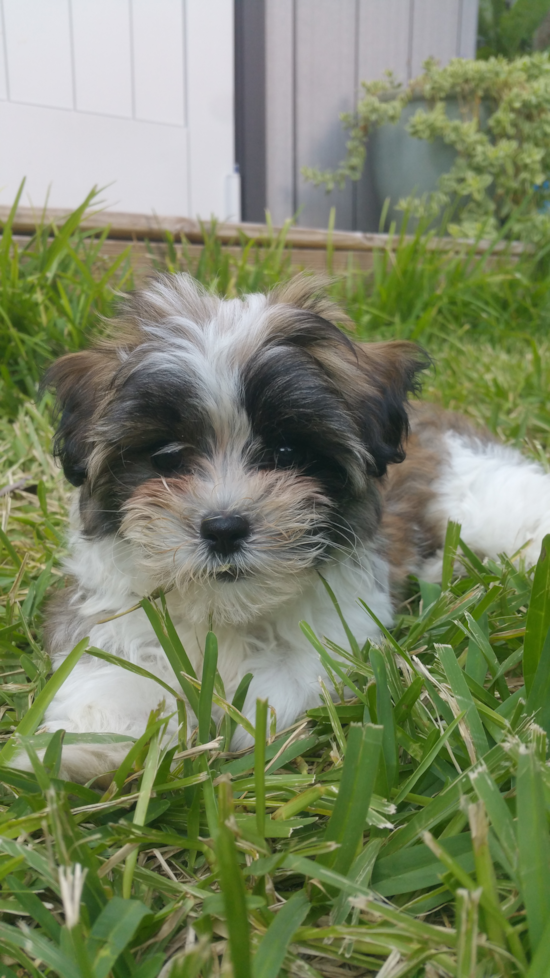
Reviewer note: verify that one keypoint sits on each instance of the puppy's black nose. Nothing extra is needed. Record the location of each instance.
(225, 533)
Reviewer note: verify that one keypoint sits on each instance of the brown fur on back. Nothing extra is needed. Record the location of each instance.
(411, 531)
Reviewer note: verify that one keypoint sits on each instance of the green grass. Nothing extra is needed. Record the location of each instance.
(408, 826)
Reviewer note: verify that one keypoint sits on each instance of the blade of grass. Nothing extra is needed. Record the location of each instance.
(538, 700)
(270, 956)
(353, 643)
(467, 904)
(259, 764)
(533, 845)
(385, 717)
(450, 547)
(331, 663)
(233, 888)
(146, 787)
(497, 809)
(176, 656)
(210, 664)
(347, 821)
(485, 871)
(117, 660)
(427, 761)
(33, 717)
(538, 616)
(464, 698)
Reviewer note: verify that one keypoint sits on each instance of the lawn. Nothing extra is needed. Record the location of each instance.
(402, 832)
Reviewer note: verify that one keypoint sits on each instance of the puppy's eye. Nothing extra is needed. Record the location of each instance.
(286, 456)
(169, 460)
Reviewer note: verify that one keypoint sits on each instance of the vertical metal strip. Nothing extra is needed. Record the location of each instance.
(73, 66)
(184, 80)
(411, 40)
(294, 108)
(355, 183)
(132, 58)
(186, 104)
(250, 105)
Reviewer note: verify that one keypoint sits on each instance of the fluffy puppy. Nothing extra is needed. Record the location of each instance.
(228, 450)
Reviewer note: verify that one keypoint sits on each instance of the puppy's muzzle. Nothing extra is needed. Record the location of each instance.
(225, 533)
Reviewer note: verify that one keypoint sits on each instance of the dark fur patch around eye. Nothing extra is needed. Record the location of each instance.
(142, 432)
(290, 403)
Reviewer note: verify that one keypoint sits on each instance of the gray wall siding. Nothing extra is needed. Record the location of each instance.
(317, 53)
(384, 38)
(279, 69)
(326, 73)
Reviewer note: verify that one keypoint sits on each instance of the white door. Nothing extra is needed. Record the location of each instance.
(135, 96)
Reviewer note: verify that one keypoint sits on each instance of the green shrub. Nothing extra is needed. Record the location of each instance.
(502, 142)
(510, 28)
(53, 285)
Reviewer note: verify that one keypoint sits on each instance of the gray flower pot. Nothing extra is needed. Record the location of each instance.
(402, 165)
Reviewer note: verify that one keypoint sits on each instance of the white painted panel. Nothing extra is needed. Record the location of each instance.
(325, 87)
(102, 56)
(383, 42)
(38, 45)
(210, 93)
(467, 41)
(157, 32)
(3, 65)
(435, 31)
(279, 33)
(68, 153)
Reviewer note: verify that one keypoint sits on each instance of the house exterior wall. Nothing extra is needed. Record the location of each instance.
(135, 96)
(317, 54)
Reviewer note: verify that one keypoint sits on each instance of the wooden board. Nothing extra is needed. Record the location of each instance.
(309, 246)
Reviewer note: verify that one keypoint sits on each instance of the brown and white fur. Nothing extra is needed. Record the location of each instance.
(228, 450)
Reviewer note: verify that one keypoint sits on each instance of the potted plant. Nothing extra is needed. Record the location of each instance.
(474, 135)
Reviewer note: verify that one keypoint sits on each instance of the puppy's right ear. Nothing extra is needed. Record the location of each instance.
(79, 381)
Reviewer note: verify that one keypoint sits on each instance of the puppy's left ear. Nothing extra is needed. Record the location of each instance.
(79, 380)
(390, 373)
